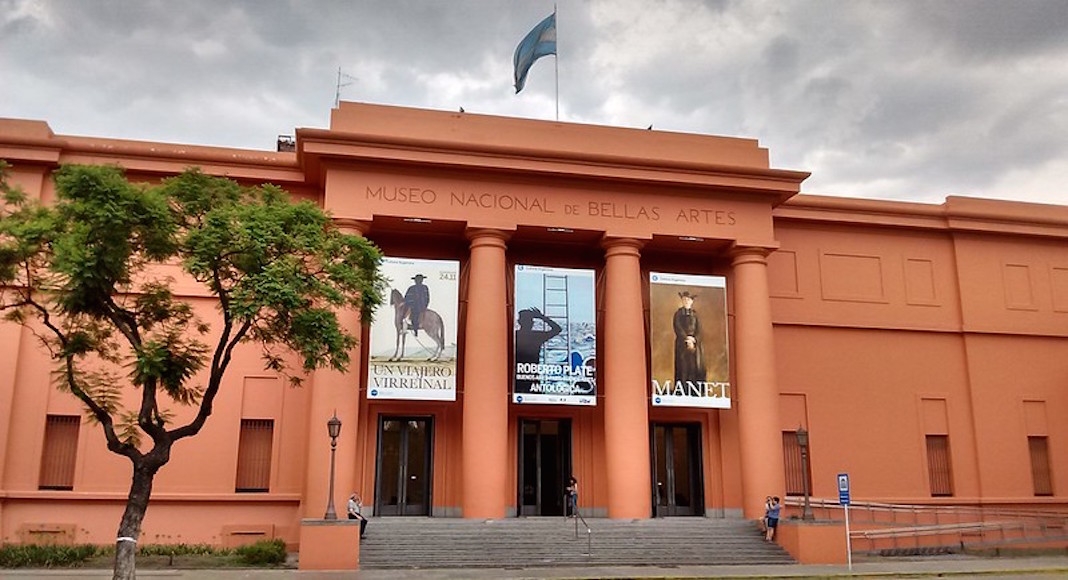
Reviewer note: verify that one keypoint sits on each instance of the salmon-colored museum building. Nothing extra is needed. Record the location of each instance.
(923, 347)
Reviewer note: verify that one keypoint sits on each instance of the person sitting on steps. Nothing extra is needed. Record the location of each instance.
(355, 511)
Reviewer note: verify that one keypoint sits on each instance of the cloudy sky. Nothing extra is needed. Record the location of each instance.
(893, 99)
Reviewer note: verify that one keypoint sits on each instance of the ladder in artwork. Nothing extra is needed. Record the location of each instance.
(554, 306)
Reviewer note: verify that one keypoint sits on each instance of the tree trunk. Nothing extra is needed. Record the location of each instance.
(130, 527)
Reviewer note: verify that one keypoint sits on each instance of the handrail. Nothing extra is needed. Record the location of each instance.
(934, 530)
(822, 503)
(922, 527)
(578, 516)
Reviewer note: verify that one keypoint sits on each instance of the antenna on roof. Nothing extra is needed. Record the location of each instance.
(337, 92)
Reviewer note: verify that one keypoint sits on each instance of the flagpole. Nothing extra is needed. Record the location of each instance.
(556, 61)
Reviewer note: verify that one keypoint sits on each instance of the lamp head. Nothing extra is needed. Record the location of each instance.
(333, 426)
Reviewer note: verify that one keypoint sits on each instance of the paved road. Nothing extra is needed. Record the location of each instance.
(955, 567)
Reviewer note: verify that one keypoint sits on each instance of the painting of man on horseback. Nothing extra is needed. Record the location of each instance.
(417, 299)
(408, 318)
(417, 340)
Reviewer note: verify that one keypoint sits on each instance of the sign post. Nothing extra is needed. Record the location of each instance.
(843, 500)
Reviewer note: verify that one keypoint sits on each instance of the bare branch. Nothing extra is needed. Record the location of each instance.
(148, 410)
(217, 372)
(125, 321)
(115, 444)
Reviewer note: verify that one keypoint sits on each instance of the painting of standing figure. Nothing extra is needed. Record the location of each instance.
(688, 341)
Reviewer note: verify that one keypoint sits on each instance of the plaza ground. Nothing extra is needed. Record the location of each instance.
(926, 567)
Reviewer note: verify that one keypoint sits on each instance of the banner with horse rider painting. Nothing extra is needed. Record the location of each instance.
(555, 336)
(688, 341)
(413, 336)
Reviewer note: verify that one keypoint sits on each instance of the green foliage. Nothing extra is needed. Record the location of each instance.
(264, 553)
(85, 274)
(45, 556)
(181, 550)
(86, 268)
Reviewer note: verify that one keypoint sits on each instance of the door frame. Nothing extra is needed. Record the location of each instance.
(567, 467)
(694, 430)
(428, 462)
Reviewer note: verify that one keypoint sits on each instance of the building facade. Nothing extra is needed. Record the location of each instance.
(924, 348)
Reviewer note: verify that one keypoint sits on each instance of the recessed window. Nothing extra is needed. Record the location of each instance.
(938, 465)
(1040, 472)
(60, 452)
(791, 454)
(254, 455)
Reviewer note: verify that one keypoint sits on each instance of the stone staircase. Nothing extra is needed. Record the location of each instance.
(404, 542)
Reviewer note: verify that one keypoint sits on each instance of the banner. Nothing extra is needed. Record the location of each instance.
(413, 336)
(688, 341)
(555, 336)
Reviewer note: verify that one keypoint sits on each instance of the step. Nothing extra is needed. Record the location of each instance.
(398, 542)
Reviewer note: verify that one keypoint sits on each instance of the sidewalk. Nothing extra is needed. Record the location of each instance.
(933, 566)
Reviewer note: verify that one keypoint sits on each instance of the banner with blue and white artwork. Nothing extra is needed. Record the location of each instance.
(688, 341)
(555, 336)
(413, 336)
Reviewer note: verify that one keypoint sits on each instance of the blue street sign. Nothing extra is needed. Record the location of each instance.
(843, 489)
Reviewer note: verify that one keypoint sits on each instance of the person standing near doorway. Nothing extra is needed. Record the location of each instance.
(572, 497)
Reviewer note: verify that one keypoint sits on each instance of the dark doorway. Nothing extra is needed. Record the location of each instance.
(677, 481)
(403, 482)
(544, 466)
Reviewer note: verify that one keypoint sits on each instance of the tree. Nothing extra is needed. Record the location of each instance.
(83, 273)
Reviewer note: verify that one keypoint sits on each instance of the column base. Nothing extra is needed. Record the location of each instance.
(329, 545)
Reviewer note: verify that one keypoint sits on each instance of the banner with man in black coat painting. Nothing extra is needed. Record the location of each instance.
(688, 340)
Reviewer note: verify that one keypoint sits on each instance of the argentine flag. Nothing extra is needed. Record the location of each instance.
(539, 42)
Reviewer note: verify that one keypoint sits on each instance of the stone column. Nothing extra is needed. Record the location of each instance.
(332, 391)
(485, 421)
(626, 383)
(756, 392)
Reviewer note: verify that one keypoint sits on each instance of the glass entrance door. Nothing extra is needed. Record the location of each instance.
(677, 482)
(403, 482)
(544, 466)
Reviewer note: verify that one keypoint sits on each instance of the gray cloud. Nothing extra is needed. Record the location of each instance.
(907, 100)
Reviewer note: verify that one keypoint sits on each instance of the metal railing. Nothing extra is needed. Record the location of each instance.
(577, 518)
(882, 528)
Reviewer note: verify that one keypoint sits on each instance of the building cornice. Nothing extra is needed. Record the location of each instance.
(363, 135)
(317, 145)
(956, 215)
(32, 142)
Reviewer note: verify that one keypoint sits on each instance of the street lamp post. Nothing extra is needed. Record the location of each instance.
(802, 442)
(333, 427)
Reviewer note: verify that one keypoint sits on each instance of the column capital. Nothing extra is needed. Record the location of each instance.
(622, 246)
(487, 237)
(750, 254)
(352, 227)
